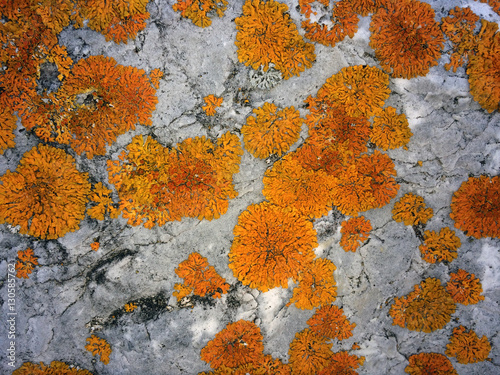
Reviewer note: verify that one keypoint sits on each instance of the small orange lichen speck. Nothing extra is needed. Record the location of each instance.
(129, 307)
(467, 347)
(271, 131)
(438, 247)
(238, 344)
(98, 346)
(200, 278)
(342, 363)
(465, 288)
(330, 322)
(271, 244)
(308, 353)
(390, 130)
(427, 308)
(25, 263)
(316, 285)
(211, 103)
(411, 210)
(406, 38)
(355, 232)
(95, 245)
(267, 35)
(429, 363)
(475, 207)
(46, 195)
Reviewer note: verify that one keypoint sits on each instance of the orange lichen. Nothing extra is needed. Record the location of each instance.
(305, 6)
(459, 29)
(316, 285)
(355, 232)
(343, 22)
(406, 38)
(271, 244)
(361, 89)
(352, 192)
(98, 101)
(211, 103)
(154, 78)
(199, 11)
(55, 367)
(26, 262)
(104, 203)
(330, 322)
(365, 7)
(95, 245)
(411, 210)
(308, 353)
(342, 363)
(46, 195)
(238, 344)
(98, 346)
(158, 185)
(390, 130)
(465, 288)
(267, 35)
(467, 347)
(116, 20)
(7, 126)
(484, 68)
(288, 184)
(438, 247)
(200, 277)
(475, 207)
(427, 308)
(429, 364)
(271, 131)
(129, 307)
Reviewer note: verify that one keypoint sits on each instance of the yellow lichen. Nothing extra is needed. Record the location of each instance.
(271, 131)
(267, 35)
(271, 244)
(211, 103)
(46, 195)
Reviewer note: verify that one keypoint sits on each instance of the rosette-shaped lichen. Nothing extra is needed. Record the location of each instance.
(117, 20)
(308, 353)
(99, 346)
(465, 288)
(199, 11)
(475, 207)
(355, 232)
(342, 363)
(429, 364)
(427, 308)
(467, 347)
(157, 185)
(271, 244)
(267, 34)
(390, 130)
(271, 130)
(238, 344)
(211, 104)
(438, 247)
(200, 278)
(97, 102)
(7, 127)
(26, 262)
(343, 22)
(46, 195)
(459, 29)
(55, 368)
(330, 322)
(406, 38)
(316, 287)
(484, 68)
(410, 209)
(361, 89)
(289, 184)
